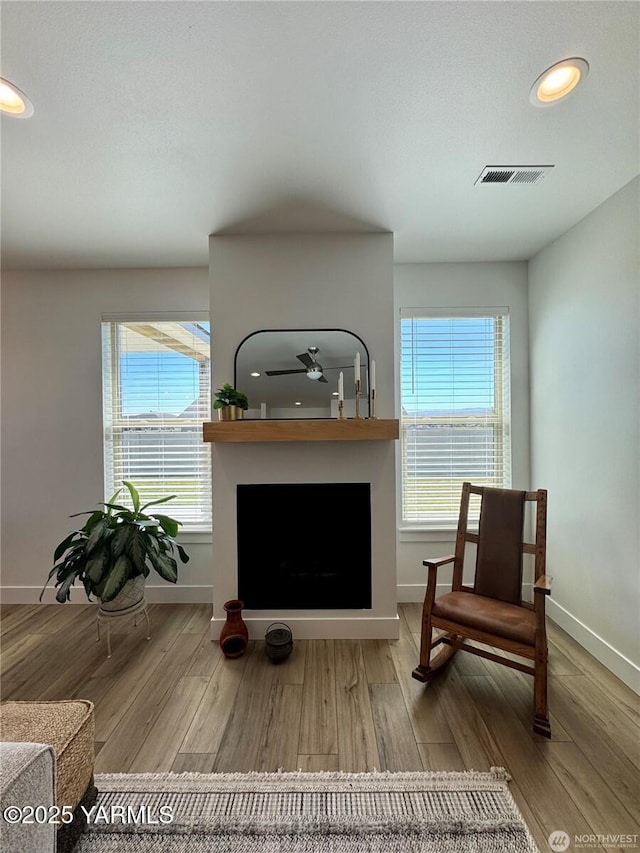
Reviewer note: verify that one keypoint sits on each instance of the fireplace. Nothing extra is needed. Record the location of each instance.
(276, 279)
(304, 546)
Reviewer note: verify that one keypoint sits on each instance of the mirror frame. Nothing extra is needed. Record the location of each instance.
(366, 396)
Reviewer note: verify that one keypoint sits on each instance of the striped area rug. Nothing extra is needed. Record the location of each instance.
(306, 813)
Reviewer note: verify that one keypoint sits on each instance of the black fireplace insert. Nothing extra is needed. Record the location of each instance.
(304, 546)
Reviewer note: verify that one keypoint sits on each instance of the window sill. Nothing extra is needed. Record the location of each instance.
(195, 537)
(426, 534)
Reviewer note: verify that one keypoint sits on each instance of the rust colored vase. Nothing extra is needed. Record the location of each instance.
(234, 635)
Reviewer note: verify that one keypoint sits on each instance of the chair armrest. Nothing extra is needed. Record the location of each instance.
(433, 565)
(441, 561)
(543, 584)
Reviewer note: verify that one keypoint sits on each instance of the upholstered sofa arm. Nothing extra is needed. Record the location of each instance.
(26, 779)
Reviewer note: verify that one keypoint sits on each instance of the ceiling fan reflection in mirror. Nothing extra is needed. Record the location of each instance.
(312, 366)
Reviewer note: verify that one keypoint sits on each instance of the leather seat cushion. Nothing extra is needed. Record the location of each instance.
(508, 621)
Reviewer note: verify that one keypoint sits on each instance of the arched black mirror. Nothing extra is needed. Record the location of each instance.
(293, 373)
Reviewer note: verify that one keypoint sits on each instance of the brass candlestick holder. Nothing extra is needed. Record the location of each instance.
(340, 410)
(358, 415)
(372, 404)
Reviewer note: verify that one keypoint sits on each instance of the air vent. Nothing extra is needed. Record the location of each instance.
(512, 174)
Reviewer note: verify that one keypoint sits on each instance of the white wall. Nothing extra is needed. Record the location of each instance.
(52, 412)
(585, 410)
(307, 281)
(585, 393)
(462, 286)
(41, 310)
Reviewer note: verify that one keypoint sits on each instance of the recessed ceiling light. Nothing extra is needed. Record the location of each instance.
(13, 101)
(255, 374)
(298, 403)
(556, 82)
(334, 394)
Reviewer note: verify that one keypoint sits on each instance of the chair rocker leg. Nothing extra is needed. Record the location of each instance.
(427, 673)
(541, 724)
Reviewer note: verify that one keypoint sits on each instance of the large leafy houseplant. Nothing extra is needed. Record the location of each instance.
(115, 545)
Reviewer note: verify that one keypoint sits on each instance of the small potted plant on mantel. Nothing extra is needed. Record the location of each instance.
(230, 403)
(114, 551)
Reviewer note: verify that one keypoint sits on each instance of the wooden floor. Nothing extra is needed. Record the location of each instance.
(175, 703)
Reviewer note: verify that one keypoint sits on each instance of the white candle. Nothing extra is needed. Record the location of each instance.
(356, 367)
(341, 387)
(372, 376)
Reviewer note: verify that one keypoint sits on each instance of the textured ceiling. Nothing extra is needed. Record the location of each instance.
(158, 123)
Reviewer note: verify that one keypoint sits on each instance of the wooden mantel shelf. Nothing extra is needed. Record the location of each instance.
(371, 429)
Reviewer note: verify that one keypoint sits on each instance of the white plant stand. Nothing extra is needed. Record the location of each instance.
(109, 615)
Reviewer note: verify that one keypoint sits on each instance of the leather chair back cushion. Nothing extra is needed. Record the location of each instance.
(499, 556)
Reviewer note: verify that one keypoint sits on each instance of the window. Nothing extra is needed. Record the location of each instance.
(156, 394)
(455, 410)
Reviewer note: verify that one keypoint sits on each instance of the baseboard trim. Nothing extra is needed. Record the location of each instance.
(412, 592)
(348, 628)
(166, 594)
(615, 661)
(321, 628)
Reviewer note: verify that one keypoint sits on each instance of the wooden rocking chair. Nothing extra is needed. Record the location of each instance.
(492, 611)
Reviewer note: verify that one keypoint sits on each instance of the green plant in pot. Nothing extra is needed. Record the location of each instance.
(117, 546)
(230, 403)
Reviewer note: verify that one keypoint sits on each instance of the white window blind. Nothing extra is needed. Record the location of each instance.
(455, 407)
(156, 394)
